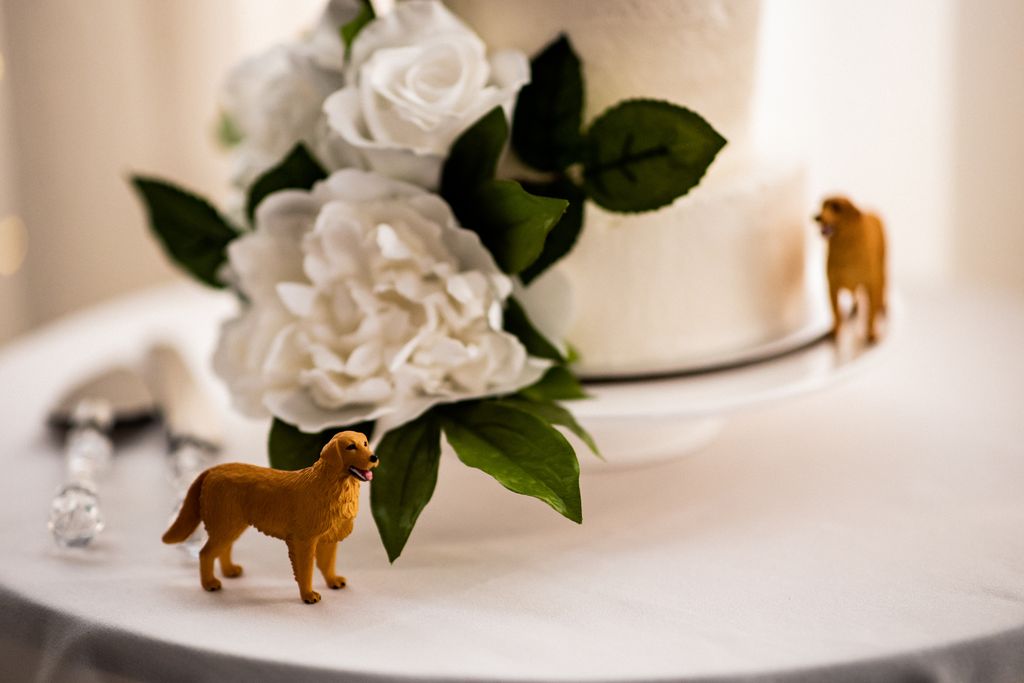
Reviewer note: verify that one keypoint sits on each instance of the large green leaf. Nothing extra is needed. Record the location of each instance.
(472, 161)
(191, 231)
(563, 236)
(512, 223)
(552, 413)
(549, 111)
(291, 449)
(557, 384)
(642, 154)
(522, 452)
(404, 480)
(299, 170)
(517, 323)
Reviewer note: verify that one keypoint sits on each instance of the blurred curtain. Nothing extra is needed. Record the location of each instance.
(12, 233)
(988, 154)
(93, 91)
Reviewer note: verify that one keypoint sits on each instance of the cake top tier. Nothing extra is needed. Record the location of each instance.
(697, 53)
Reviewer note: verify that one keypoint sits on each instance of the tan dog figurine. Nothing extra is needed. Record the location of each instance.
(856, 258)
(311, 510)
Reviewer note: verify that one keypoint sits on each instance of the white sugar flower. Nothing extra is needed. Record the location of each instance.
(275, 99)
(417, 78)
(366, 301)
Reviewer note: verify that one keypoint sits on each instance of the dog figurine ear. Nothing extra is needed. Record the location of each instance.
(332, 451)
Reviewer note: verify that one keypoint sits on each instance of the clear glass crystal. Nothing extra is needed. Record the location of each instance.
(89, 453)
(75, 517)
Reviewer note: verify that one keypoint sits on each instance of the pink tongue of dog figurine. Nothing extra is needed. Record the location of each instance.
(363, 475)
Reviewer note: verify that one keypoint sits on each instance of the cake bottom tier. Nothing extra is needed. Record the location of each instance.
(732, 267)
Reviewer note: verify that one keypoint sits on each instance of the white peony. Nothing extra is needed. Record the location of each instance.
(416, 79)
(275, 99)
(366, 301)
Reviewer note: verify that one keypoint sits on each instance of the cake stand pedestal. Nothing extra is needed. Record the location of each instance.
(671, 417)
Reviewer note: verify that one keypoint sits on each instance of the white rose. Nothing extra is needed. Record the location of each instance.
(416, 79)
(366, 301)
(275, 98)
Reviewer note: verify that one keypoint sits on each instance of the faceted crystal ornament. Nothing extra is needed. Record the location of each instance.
(75, 516)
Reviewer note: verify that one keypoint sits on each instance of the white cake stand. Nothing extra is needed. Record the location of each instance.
(647, 421)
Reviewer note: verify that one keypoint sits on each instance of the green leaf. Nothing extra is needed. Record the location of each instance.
(512, 223)
(472, 161)
(292, 449)
(572, 354)
(557, 384)
(299, 170)
(404, 480)
(191, 231)
(350, 30)
(521, 451)
(563, 236)
(643, 154)
(228, 132)
(549, 111)
(517, 322)
(552, 413)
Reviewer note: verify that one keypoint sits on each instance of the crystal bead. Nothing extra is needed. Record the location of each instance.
(75, 516)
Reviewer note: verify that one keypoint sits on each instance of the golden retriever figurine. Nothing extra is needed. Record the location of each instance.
(311, 510)
(856, 257)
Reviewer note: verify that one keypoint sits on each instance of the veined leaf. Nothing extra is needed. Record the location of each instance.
(522, 452)
(512, 223)
(643, 154)
(552, 413)
(563, 236)
(404, 480)
(549, 111)
(191, 231)
(472, 161)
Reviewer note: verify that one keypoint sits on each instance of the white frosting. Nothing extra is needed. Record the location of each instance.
(697, 53)
(735, 266)
(732, 266)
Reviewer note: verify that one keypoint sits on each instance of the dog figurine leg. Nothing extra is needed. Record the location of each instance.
(837, 315)
(876, 305)
(301, 555)
(207, 555)
(325, 554)
(228, 568)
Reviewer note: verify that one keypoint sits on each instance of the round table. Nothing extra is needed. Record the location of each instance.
(872, 531)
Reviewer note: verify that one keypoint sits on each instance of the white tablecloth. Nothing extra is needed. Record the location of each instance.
(874, 531)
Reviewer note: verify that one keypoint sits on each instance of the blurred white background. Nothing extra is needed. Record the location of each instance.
(913, 107)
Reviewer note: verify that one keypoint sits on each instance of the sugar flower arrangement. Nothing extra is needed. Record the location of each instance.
(377, 251)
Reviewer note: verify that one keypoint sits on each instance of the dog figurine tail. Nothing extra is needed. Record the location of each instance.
(188, 517)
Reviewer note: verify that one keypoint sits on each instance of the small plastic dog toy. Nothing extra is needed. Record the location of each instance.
(856, 258)
(311, 510)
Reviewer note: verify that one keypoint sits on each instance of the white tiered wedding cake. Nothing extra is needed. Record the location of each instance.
(729, 269)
